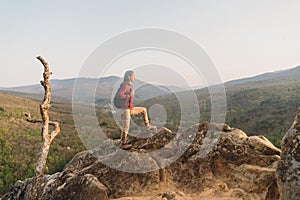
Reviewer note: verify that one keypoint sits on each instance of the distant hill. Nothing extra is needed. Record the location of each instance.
(63, 89)
(264, 104)
(271, 78)
(34, 96)
(259, 105)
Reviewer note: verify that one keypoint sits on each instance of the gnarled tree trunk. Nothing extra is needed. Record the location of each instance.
(37, 181)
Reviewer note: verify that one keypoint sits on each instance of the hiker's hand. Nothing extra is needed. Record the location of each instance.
(132, 93)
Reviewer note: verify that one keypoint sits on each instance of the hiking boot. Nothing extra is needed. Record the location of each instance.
(125, 146)
(150, 127)
(123, 143)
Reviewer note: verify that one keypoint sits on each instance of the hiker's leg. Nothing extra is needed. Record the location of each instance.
(140, 110)
(125, 114)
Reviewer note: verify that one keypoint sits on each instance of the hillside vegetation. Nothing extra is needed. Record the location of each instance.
(264, 110)
(255, 108)
(20, 140)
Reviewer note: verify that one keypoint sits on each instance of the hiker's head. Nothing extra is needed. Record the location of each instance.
(129, 76)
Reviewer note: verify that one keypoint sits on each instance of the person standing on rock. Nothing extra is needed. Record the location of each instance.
(123, 101)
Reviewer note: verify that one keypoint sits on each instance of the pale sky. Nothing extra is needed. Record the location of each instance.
(243, 38)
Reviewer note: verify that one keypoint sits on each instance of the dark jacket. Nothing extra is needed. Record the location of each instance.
(124, 95)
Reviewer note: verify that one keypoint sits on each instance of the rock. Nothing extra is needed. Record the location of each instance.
(169, 196)
(231, 158)
(288, 169)
(157, 141)
(262, 144)
(273, 192)
(219, 161)
(82, 188)
(20, 191)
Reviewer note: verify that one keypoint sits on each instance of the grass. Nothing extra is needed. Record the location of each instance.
(20, 140)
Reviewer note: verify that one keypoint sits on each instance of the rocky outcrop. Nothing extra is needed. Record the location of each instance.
(220, 162)
(288, 170)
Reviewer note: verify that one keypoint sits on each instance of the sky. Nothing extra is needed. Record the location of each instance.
(242, 38)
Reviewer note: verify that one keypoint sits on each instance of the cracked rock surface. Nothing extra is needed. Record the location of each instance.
(206, 161)
(288, 170)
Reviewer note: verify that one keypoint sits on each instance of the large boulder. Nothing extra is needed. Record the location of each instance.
(228, 164)
(288, 170)
(215, 161)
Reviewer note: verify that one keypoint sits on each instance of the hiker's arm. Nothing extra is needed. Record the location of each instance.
(125, 93)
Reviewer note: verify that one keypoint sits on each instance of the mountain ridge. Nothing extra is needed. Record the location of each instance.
(266, 76)
(63, 88)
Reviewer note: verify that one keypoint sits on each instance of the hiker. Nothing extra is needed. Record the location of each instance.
(123, 101)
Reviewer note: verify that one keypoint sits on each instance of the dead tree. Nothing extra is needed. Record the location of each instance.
(37, 181)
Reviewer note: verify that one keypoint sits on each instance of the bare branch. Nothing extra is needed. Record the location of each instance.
(40, 58)
(28, 118)
(55, 124)
(56, 131)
